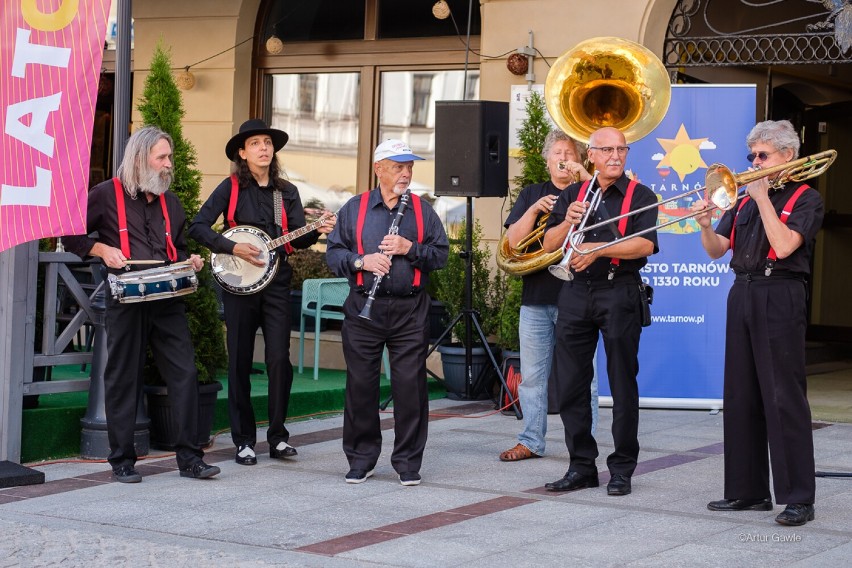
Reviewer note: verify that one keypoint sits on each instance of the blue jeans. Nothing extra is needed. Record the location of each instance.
(537, 335)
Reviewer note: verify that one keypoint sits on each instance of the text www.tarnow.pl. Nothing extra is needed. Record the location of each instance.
(678, 319)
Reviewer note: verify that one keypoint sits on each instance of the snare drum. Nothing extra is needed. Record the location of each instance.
(153, 283)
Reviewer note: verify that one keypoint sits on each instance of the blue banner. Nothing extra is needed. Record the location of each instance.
(681, 354)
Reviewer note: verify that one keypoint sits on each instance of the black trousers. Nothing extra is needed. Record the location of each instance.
(401, 324)
(765, 393)
(131, 328)
(268, 310)
(613, 310)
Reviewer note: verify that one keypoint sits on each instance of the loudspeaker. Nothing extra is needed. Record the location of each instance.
(471, 148)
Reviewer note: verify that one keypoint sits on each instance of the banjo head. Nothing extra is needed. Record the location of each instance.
(235, 274)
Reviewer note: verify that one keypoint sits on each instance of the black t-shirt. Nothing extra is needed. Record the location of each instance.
(539, 288)
(751, 244)
(612, 200)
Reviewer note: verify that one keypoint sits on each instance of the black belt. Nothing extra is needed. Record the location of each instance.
(619, 279)
(776, 275)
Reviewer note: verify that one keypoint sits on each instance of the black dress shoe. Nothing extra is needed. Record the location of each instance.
(796, 514)
(126, 474)
(282, 450)
(199, 470)
(245, 455)
(618, 485)
(573, 481)
(741, 505)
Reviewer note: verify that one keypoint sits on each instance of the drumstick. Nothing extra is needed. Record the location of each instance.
(144, 261)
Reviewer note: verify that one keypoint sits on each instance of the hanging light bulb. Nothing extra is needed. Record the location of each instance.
(185, 79)
(441, 10)
(274, 45)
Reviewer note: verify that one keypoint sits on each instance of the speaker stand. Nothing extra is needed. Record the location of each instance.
(473, 386)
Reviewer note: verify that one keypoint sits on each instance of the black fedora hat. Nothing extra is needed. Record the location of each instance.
(254, 127)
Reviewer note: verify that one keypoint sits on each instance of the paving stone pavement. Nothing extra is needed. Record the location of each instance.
(471, 509)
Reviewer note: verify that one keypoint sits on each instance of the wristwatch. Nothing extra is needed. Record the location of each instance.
(358, 263)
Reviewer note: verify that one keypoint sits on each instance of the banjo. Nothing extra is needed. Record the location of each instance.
(240, 277)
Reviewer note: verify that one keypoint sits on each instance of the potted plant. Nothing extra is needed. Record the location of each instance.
(162, 106)
(450, 286)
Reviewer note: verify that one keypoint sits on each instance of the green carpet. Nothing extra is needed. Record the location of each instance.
(52, 430)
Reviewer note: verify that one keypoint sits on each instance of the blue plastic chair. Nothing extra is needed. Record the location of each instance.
(322, 298)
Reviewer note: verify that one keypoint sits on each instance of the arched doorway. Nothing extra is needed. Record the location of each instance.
(802, 66)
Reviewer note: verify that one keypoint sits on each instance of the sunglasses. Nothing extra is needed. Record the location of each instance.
(761, 155)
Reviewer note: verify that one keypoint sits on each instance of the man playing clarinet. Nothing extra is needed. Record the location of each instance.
(398, 241)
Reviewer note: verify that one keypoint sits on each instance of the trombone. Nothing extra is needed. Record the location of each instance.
(576, 234)
(721, 188)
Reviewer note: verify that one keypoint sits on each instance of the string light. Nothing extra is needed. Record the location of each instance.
(441, 10)
(185, 79)
(274, 45)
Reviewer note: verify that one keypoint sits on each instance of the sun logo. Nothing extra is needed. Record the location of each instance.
(682, 153)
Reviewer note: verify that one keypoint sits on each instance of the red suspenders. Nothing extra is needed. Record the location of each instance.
(785, 214)
(123, 237)
(362, 216)
(622, 223)
(232, 208)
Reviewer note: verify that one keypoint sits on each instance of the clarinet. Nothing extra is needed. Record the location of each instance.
(393, 230)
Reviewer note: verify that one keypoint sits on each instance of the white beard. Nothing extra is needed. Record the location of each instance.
(157, 183)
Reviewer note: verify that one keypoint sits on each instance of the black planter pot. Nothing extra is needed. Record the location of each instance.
(163, 428)
(455, 372)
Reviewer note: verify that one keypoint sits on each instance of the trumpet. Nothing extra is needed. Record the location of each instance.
(721, 190)
(576, 233)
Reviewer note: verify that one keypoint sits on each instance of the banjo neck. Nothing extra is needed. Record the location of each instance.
(275, 243)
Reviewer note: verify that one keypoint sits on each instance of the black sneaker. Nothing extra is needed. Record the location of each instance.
(409, 478)
(245, 455)
(126, 474)
(199, 470)
(358, 475)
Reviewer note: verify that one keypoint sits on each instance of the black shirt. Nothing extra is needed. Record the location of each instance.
(146, 226)
(612, 201)
(540, 288)
(255, 207)
(752, 244)
(431, 254)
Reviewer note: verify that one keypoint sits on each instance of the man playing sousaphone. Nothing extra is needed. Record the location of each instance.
(536, 329)
(137, 218)
(256, 195)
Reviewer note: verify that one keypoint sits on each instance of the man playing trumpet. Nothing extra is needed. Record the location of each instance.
(765, 392)
(564, 158)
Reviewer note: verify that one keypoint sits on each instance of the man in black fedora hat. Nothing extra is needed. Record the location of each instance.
(257, 195)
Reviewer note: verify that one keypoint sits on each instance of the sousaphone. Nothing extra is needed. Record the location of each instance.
(604, 81)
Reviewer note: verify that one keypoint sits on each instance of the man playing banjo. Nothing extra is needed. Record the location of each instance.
(138, 221)
(255, 201)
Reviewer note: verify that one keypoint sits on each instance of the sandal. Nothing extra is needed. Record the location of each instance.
(518, 453)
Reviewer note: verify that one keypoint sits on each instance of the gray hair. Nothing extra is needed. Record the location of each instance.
(134, 165)
(779, 134)
(557, 135)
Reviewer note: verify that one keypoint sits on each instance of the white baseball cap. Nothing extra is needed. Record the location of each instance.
(396, 150)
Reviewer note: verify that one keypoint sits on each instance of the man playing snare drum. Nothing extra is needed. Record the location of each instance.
(138, 219)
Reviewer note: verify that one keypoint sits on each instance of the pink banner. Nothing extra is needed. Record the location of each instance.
(50, 62)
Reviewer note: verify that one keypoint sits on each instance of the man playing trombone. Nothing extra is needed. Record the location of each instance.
(363, 249)
(602, 298)
(771, 232)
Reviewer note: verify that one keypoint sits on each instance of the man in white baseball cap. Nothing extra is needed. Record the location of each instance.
(398, 261)
(396, 150)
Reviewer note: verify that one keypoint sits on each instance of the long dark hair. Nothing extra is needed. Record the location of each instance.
(240, 167)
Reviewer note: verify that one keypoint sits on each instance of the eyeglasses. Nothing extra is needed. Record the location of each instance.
(608, 150)
(761, 155)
